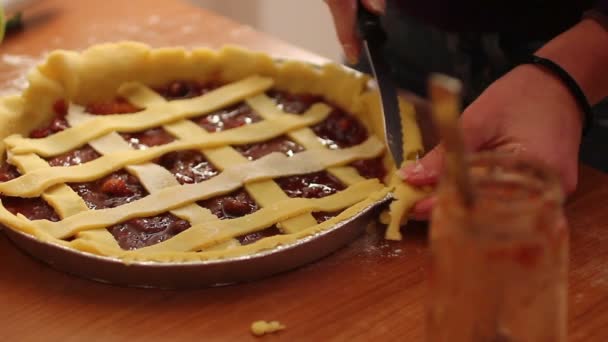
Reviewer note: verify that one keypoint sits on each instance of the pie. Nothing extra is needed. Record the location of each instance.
(173, 155)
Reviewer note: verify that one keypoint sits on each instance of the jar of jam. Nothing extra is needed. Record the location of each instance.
(499, 262)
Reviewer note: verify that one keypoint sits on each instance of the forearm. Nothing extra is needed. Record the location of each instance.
(583, 52)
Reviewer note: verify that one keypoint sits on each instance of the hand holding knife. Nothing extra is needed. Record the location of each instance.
(374, 40)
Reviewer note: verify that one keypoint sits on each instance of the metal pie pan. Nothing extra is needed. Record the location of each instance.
(201, 273)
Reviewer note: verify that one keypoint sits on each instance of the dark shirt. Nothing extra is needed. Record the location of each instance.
(534, 19)
(478, 41)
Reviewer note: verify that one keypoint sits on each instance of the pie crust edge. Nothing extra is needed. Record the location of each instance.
(98, 72)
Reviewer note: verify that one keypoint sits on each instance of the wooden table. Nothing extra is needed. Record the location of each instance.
(371, 289)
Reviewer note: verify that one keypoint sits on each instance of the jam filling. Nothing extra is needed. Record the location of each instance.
(32, 208)
(148, 138)
(231, 117)
(75, 157)
(111, 191)
(188, 166)
(370, 168)
(339, 130)
(117, 106)
(179, 90)
(236, 204)
(146, 231)
(294, 103)
(255, 236)
(311, 185)
(279, 144)
(57, 124)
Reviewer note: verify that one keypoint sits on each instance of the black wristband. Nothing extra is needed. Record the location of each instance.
(570, 83)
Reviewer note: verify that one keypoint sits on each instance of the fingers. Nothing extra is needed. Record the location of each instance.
(423, 173)
(344, 13)
(426, 170)
(422, 210)
(375, 6)
(474, 133)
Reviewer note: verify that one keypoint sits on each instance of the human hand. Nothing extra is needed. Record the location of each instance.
(529, 112)
(344, 13)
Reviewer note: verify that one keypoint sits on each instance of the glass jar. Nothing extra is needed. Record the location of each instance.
(499, 264)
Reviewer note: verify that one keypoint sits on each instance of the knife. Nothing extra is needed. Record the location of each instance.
(374, 38)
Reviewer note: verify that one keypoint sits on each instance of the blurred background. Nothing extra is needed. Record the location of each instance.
(305, 23)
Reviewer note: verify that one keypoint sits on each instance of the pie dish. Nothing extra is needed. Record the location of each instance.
(168, 155)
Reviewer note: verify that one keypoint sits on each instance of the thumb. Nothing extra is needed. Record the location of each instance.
(426, 170)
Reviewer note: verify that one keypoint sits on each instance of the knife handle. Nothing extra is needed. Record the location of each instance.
(369, 26)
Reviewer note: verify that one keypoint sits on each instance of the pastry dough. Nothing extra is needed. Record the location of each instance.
(259, 328)
(129, 70)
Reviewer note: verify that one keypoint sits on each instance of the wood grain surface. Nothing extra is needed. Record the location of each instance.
(372, 289)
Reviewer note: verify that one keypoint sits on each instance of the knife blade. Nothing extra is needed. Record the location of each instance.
(374, 38)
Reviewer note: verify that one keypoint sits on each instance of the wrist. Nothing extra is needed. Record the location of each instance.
(582, 52)
(570, 83)
(544, 86)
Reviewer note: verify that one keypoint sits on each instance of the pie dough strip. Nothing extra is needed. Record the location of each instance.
(268, 167)
(63, 198)
(267, 243)
(405, 195)
(208, 233)
(69, 75)
(150, 117)
(268, 109)
(152, 176)
(264, 193)
(305, 136)
(155, 178)
(33, 183)
(309, 140)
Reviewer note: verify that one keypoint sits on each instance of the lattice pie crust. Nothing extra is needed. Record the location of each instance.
(129, 70)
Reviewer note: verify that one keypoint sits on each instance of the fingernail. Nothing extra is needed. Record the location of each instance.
(351, 54)
(352, 60)
(378, 6)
